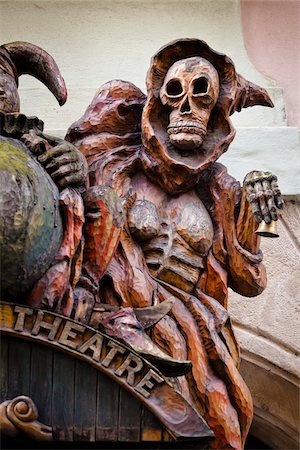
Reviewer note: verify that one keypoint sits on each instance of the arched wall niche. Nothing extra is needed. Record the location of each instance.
(276, 402)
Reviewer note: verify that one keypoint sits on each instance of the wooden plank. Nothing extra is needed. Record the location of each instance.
(108, 392)
(166, 437)
(129, 418)
(4, 348)
(151, 428)
(63, 396)
(41, 381)
(19, 360)
(85, 402)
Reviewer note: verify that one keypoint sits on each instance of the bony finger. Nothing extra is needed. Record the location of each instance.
(256, 211)
(274, 183)
(273, 214)
(50, 154)
(250, 193)
(267, 216)
(267, 188)
(257, 216)
(55, 151)
(264, 209)
(263, 193)
(273, 178)
(279, 201)
(73, 179)
(253, 201)
(275, 188)
(65, 170)
(53, 164)
(272, 208)
(277, 194)
(64, 159)
(52, 140)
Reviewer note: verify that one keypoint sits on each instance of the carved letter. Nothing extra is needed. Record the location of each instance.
(115, 348)
(130, 370)
(146, 381)
(40, 323)
(68, 333)
(19, 325)
(94, 344)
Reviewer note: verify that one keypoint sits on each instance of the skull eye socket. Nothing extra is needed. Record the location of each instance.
(174, 88)
(200, 86)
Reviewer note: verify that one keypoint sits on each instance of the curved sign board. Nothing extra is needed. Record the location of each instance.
(113, 358)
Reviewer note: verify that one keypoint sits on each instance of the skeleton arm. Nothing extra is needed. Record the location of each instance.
(260, 198)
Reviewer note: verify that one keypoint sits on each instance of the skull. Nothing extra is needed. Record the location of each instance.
(190, 89)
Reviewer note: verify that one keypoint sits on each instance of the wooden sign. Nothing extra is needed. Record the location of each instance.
(111, 357)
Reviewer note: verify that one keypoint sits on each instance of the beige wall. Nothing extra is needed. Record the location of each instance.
(267, 327)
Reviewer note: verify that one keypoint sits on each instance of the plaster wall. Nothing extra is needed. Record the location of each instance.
(267, 328)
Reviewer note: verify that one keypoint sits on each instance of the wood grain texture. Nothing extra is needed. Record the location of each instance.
(151, 429)
(41, 381)
(19, 368)
(129, 418)
(107, 419)
(63, 397)
(80, 403)
(4, 372)
(85, 403)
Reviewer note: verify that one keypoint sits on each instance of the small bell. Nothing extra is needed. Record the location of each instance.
(267, 229)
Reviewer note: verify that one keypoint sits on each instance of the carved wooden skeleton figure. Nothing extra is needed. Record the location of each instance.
(189, 228)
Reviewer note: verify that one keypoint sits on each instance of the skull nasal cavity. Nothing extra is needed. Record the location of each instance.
(185, 107)
(174, 88)
(200, 86)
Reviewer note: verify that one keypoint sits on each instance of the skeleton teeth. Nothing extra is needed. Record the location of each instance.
(185, 123)
(186, 126)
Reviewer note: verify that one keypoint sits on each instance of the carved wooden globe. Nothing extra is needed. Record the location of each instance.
(30, 222)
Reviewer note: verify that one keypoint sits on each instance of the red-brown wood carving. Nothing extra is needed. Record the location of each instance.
(189, 229)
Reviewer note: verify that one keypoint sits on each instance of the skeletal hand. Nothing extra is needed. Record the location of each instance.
(263, 195)
(64, 163)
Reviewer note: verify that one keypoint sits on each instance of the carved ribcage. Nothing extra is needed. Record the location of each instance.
(171, 259)
(175, 235)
